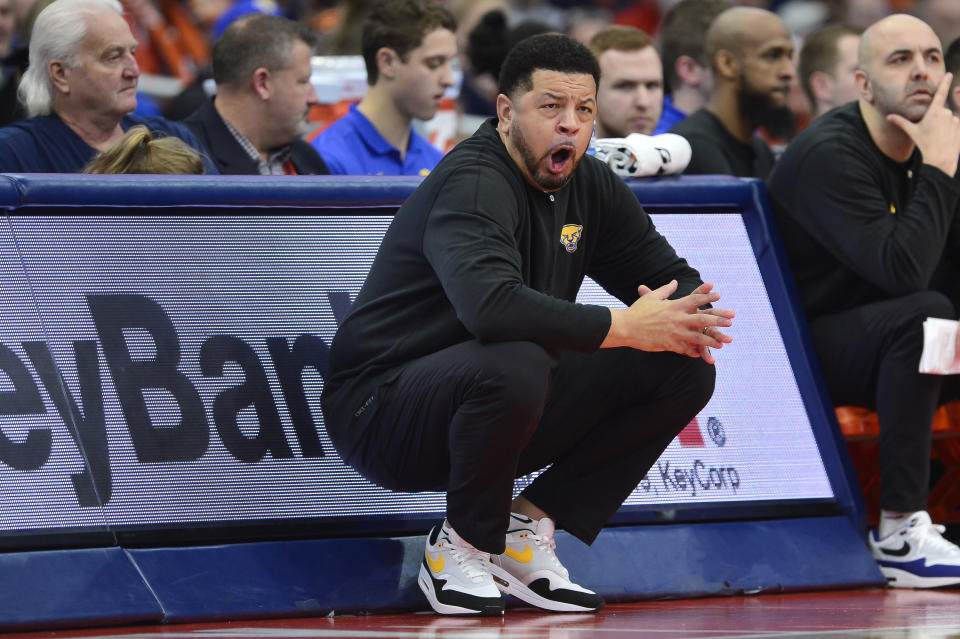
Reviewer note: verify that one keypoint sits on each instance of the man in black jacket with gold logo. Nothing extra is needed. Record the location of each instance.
(465, 361)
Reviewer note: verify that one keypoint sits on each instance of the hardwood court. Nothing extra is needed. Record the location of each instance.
(853, 613)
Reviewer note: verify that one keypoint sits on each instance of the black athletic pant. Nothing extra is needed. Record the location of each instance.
(870, 357)
(471, 418)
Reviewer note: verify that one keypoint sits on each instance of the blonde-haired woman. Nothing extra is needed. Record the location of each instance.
(140, 151)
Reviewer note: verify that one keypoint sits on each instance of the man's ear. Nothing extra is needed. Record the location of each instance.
(261, 81)
(727, 64)
(387, 61)
(688, 70)
(57, 72)
(863, 85)
(505, 113)
(820, 85)
(955, 98)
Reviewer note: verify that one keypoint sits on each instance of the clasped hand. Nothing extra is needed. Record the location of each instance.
(656, 323)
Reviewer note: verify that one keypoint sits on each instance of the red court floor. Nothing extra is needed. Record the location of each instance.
(852, 613)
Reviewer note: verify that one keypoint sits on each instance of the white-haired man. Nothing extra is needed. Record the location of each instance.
(79, 89)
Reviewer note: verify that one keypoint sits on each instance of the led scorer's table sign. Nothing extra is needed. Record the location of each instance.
(166, 371)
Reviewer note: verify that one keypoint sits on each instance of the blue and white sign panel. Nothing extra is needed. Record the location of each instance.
(164, 370)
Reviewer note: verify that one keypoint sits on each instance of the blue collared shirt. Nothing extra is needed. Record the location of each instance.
(352, 146)
(670, 116)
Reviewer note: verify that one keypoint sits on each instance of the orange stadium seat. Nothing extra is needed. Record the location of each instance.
(944, 500)
(861, 430)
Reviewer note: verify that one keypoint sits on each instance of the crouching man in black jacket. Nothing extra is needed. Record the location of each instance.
(465, 361)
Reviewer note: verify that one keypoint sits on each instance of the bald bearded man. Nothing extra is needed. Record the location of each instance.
(751, 55)
(865, 198)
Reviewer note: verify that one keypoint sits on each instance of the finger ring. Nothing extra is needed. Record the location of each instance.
(704, 331)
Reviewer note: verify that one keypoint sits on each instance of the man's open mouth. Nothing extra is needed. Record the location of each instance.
(560, 159)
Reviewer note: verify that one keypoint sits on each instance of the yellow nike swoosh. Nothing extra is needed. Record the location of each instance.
(524, 557)
(436, 565)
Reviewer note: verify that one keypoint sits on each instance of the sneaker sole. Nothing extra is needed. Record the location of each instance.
(897, 578)
(426, 585)
(510, 585)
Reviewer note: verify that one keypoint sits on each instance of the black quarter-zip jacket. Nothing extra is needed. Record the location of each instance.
(857, 226)
(476, 252)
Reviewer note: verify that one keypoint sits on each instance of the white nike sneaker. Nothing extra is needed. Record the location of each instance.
(916, 555)
(455, 576)
(529, 569)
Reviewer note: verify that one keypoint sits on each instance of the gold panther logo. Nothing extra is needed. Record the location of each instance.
(570, 235)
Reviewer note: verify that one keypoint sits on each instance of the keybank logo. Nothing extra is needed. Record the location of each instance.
(692, 437)
(697, 477)
(189, 438)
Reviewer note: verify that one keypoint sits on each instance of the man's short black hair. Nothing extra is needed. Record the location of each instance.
(254, 41)
(549, 52)
(951, 60)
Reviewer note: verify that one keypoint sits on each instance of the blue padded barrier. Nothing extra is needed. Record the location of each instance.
(9, 192)
(209, 190)
(309, 577)
(627, 563)
(272, 579)
(72, 588)
(723, 558)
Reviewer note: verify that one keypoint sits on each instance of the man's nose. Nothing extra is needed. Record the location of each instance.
(568, 122)
(920, 69)
(447, 80)
(643, 97)
(133, 69)
(788, 70)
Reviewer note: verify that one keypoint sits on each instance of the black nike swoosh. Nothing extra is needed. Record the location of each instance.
(899, 552)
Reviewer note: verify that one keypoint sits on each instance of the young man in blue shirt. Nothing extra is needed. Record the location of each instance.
(408, 48)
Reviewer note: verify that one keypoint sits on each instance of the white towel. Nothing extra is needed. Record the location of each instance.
(640, 155)
(939, 355)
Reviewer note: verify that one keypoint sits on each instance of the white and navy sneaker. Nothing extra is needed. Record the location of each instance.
(916, 555)
(455, 576)
(529, 569)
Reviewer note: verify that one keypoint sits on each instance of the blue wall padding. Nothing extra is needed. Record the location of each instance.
(79, 587)
(270, 579)
(136, 191)
(117, 586)
(711, 559)
(630, 563)
(35, 189)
